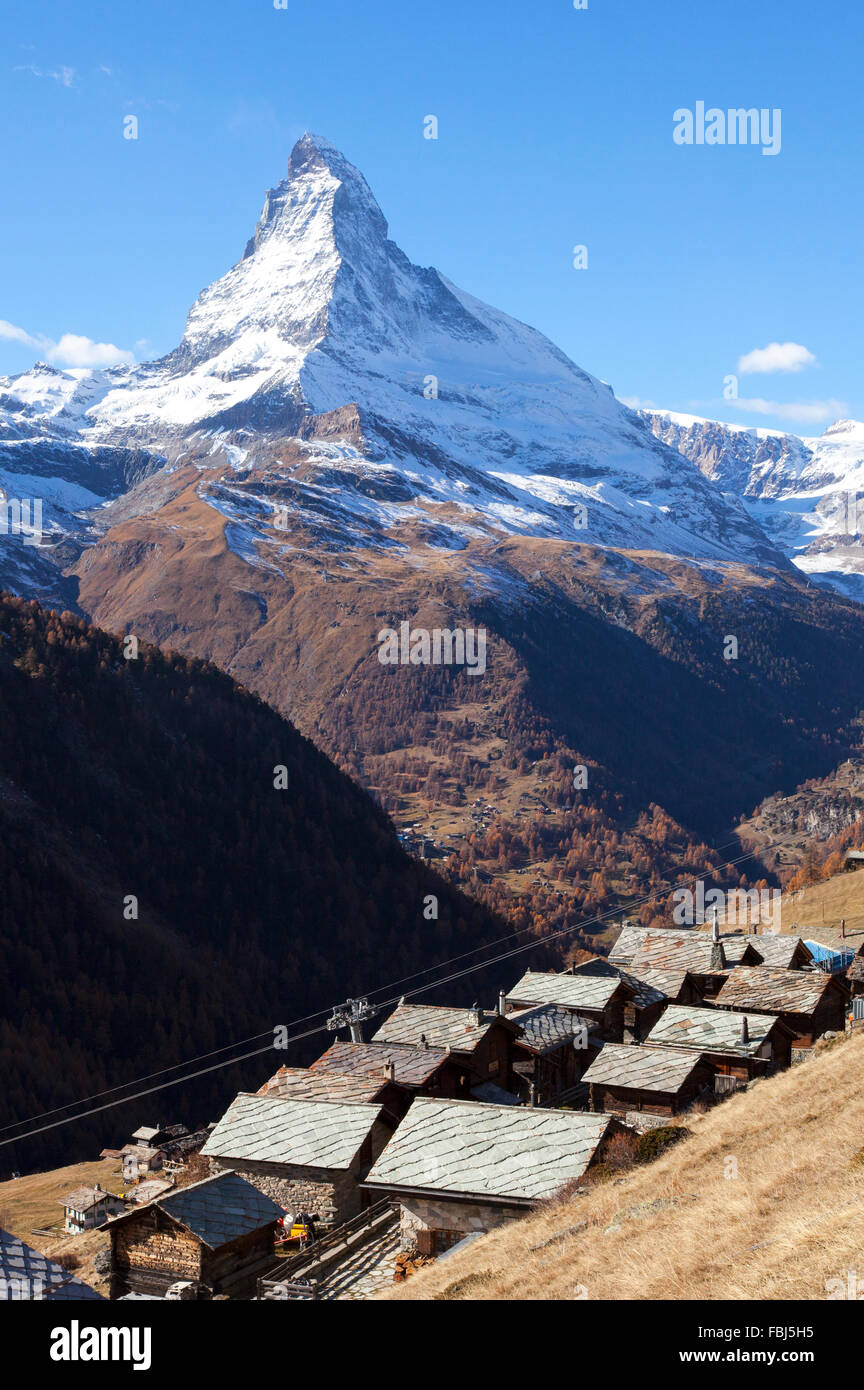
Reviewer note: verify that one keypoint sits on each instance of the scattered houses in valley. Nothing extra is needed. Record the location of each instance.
(307, 1155)
(457, 1167)
(216, 1234)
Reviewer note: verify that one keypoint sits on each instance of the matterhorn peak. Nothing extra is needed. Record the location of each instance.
(319, 177)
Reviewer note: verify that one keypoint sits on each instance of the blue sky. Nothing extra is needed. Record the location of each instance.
(555, 130)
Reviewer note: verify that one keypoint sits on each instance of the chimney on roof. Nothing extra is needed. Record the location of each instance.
(424, 1041)
(475, 1015)
(532, 1094)
(502, 1003)
(745, 1031)
(715, 928)
(390, 1069)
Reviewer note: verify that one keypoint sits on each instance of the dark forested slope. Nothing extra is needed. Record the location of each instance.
(153, 778)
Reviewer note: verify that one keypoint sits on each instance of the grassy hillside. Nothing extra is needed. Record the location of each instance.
(788, 1219)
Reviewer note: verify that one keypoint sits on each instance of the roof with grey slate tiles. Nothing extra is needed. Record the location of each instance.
(413, 1065)
(308, 1133)
(711, 1030)
(642, 1068)
(498, 1152)
(27, 1274)
(774, 991)
(441, 1027)
(546, 1027)
(567, 991)
(301, 1083)
(217, 1210)
(647, 992)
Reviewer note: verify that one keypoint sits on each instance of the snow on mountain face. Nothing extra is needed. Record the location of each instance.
(806, 493)
(461, 415)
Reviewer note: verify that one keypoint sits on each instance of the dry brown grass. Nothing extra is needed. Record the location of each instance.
(678, 1228)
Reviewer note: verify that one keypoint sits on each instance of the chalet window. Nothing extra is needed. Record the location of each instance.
(494, 1067)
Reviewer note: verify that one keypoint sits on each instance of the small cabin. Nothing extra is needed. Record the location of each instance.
(809, 1002)
(139, 1160)
(87, 1207)
(602, 999)
(626, 1079)
(555, 1048)
(648, 1002)
(217, 1234)
(480, 1041)
(459, 1167)
(307, 1155)
(739, 1046)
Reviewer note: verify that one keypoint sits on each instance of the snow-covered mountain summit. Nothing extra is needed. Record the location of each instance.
(807, 493)
(343, 381)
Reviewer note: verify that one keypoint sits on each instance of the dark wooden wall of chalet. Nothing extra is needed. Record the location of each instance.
(492, 1059)
(235, 1268)
(620, 1099)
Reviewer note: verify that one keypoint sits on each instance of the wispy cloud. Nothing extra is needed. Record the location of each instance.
(808, 412)
(66, 76)
(72, 349)
(638, 403)
(777, 357)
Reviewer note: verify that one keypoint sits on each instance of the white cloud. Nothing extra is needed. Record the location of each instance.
(66, 76)
(812, 412)
(13, 334)
(73, 349)
(638, 403)
(777, 357)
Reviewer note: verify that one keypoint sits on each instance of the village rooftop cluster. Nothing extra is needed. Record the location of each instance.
(448, 1122)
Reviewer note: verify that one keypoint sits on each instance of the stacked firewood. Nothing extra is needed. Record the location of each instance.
(407, 1261)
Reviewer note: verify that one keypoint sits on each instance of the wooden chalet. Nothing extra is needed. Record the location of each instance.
(139, 1161)
(648, 1002)
(480, 1041)
(555, 1048)
(602, 999)
(457, 1167)
(626, 1079)
(739, 1046)
(697, 952)
(217, 1234)
(87, 1207)
(306, 1154)
(403, 1070)
(810, 1002)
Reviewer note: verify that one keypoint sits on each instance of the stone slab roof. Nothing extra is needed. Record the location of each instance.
(26, 1273)
(441, 1027)
(711, 1030)
(546, 1027)
(217, 1210)
(567, 991)
(497, 1152)
(414, 1065)
(774, 991)
(642, 1068)
(304, 1133)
